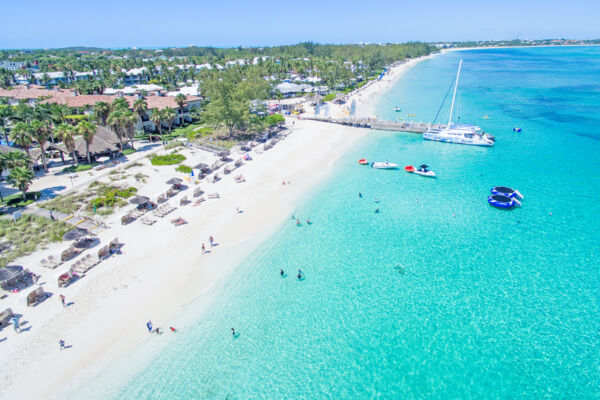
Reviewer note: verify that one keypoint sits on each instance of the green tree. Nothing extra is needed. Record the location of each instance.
(181, 100)
(116, 120)
(39, 132)
(169, 116)
(87, 130)
(21, 177)
(157, 118)
(101, 112)
(66, 133)
(21, 136)
(6, 114)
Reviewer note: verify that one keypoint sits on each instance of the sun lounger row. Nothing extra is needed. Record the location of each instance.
(199, 201)
(82, 265)
(213, 196)
(147, 220)
(164, 210)
(51, 262)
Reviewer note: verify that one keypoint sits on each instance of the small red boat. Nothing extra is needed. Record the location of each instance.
(363, 161)
(409, 168)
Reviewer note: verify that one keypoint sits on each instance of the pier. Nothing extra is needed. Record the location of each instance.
(374, 123)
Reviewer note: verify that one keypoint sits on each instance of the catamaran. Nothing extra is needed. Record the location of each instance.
(459, 133)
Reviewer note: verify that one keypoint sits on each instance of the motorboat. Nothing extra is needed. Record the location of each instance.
(517, 129)
(411, 115)
(502, 201)
(384, 165)
(486, 117)
(423, 171)
(363, 161)
(397, 109)
(458, 133)
(506, 191)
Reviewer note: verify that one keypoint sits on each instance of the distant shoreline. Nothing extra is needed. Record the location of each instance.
(515, 47)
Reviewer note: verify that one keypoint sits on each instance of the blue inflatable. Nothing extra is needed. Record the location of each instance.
(502, 201)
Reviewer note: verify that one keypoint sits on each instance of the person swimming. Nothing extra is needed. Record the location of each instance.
(377, 211)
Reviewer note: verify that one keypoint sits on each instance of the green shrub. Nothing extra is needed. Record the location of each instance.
(184, 169)
(329, 97)
(274, 119)
(16, 200)
(127, 152)
(172, 145)
(169, 159)
(79, 168)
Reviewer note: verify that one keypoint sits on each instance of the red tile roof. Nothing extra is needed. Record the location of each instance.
(70, 99)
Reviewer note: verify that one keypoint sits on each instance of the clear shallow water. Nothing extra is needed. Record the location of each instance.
(492, 304)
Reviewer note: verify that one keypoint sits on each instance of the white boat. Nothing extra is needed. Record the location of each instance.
(423, 171)
(384, 165)
(458, 133)
(397, 109)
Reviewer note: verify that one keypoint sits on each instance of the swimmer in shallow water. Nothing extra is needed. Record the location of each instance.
(377, 211)
(359, 194)
(281, 272)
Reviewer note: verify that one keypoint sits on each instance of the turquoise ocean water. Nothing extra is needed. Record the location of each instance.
(492, 303)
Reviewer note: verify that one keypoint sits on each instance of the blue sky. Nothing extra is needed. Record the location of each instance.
(151, 23)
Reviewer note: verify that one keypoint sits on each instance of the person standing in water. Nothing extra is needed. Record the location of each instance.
(300, 274)
(233, 333)
(281, 272)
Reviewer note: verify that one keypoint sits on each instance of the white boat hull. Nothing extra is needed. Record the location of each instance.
(457, 139)
(385, 165)
(425, 173)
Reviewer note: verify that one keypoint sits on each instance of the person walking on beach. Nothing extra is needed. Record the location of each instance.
(16, 324)
(62, 300)
(61, 344)
(212, 241)
(203, 249)
(149, 326)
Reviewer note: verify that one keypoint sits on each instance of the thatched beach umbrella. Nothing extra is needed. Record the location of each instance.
(139, 200)
(75, 234)
(174, 181)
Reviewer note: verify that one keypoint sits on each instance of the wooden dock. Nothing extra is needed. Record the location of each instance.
(373, 123)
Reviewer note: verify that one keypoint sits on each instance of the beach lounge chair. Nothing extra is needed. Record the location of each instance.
(70, 253)
(213, 196)
(171, 192)
(5, 317)
(36, 296)
(161, 199)
(127, 218)
(240, 178)
(104, 252)
(199, 201)
(55, 262)
(46, 264)
(183, 201)
(238, 163)
(147, 221)
(66, 278)
(178, 221)
(227, 170)
(198, 191)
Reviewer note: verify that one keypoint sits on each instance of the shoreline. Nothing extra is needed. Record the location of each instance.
(161, 270)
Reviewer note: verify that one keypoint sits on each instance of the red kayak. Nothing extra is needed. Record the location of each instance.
(363, 161)
(409, 168)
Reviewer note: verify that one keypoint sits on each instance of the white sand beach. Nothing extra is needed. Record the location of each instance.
(161, 267)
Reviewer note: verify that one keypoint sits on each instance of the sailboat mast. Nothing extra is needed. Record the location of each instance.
(454, 95)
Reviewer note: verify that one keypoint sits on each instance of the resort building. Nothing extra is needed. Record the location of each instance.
(12, 65)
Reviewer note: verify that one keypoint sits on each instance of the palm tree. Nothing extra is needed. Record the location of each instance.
(21, 177)
(168, 116)
(119, 103)
(59, 113)
(16, 159)
(180, 99)
(157, 118)
(116, 121)
(129, 122)
(66, 133)
(39, 132)
(5, 115)
(21, 136)
(101, 111)
(140, 106)
(87, 130)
